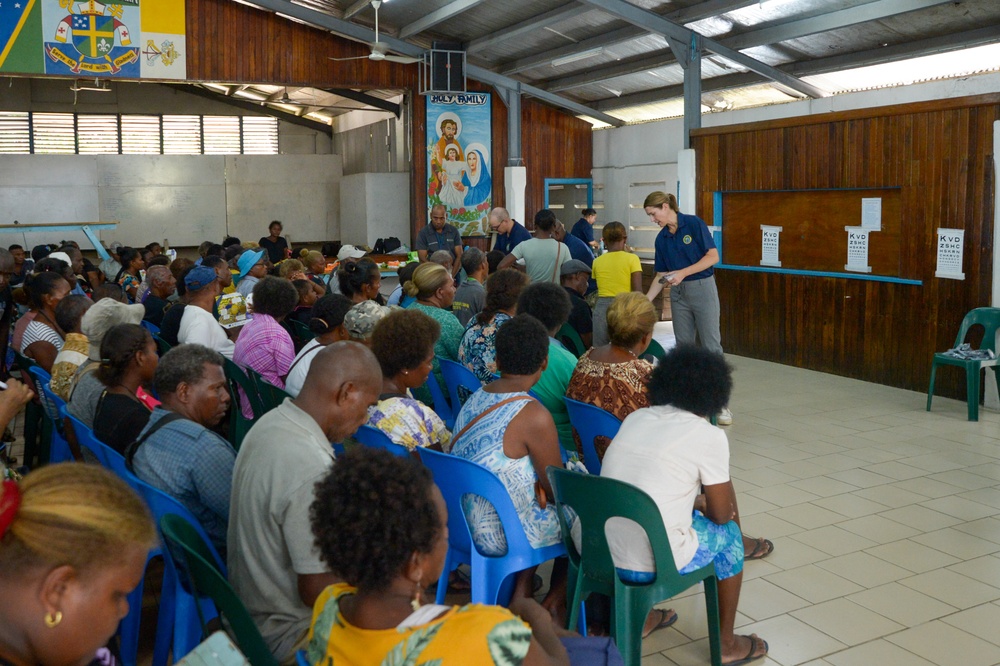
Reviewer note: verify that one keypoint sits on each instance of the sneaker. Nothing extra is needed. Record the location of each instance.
(725, 417)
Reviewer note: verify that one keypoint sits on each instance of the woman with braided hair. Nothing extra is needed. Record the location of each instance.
(128, 361)
(73, 544)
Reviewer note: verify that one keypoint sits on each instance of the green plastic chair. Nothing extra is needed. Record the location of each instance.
(241, 383)
(270, 395)
(571, 340)
(162, 346)
(302, 331)
(594, 500)
(989, 319)
(654, 350)
(194, 561)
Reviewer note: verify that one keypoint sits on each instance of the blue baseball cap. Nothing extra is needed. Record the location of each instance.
(198, 277)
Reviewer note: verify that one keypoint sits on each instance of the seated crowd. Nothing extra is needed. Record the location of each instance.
(143, 349)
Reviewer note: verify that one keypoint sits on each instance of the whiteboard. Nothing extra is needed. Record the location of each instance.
(303, 191)
(184, 198)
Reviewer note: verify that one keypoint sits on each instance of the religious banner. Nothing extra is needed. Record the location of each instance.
(125, 39)
(459, 143)
(857, 250)
(949, 254)
(769, 237)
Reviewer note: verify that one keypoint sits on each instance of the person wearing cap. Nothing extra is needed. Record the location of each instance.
(617, 271)
(110, 266)
(360, 320)
(577, 250)
(510, 232)
(471, 295)
(86, 390)
(574, 277)
(252, 268)
(198, 325)
(439, 235)
(71, 275)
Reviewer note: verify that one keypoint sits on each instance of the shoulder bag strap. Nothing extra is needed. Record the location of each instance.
(480, 416)
(555, 271)
(134, 446)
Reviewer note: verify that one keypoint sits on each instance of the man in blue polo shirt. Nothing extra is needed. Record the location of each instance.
(685, 255)
(439, 235)
(577, 249)
(509, 233)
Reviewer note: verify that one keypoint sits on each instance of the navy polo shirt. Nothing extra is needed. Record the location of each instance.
(580, 250)
(432, 241)
(687, 246)
(583, 230)
(517, 235)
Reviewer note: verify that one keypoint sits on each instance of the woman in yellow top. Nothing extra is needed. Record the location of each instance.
(397, 547)
(616, 271)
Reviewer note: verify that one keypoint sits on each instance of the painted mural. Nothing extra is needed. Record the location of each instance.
(459, 141)
(128, 39)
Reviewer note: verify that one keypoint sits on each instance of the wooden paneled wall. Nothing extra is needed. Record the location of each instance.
(234, 43)
(940, 154)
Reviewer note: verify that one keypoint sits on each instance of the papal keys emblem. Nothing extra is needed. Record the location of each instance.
(95, 35)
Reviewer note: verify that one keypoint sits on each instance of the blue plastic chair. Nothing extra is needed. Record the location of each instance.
(58, 446)
(492, 576)
(591, 422)
(457, 375)
(300, 658)
(178, 622)
(181, 629)
(441, 405)
(374, 438)
(151, 327)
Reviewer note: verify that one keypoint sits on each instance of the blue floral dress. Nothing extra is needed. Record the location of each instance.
(478, 349)
(483, 444)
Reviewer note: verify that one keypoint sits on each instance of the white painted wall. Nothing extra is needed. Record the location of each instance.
(373, 206)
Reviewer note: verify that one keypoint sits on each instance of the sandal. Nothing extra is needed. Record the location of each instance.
(761, 549)
(667, 618)
(755, 641)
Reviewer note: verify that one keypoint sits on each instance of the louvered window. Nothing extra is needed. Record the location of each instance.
(15, 133)
(141, 135)
(97, 134)
(54, 133)
(260, 135)
(221, 135)
(182, 135)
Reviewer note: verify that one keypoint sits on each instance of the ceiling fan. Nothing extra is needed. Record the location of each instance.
(379, 50)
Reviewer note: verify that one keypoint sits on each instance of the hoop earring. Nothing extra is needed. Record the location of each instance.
(416, 602)
(52, 621)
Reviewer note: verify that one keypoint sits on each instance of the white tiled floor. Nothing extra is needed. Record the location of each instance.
(885, 520)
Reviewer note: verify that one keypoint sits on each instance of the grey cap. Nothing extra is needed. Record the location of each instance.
(574, 266)
(360, 320)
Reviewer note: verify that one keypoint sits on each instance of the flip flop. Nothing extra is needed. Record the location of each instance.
(761, 549)
(750, 656)
(667, 618)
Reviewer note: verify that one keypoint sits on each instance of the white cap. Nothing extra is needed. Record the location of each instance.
(350, 252)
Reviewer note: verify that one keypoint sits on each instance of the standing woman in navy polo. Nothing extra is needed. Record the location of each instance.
(685, 254)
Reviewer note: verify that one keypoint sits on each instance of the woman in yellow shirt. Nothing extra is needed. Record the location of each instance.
(616, 271)
(389, 550)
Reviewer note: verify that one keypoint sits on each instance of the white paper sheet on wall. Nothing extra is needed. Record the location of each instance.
(857, 250)
(950, 254)
(871, 213)
(769, 249)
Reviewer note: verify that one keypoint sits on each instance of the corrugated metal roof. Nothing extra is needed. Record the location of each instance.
(799, 34)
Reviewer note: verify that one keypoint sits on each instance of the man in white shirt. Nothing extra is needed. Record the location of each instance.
(198, 324)
(274, 565)
(543, 255)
